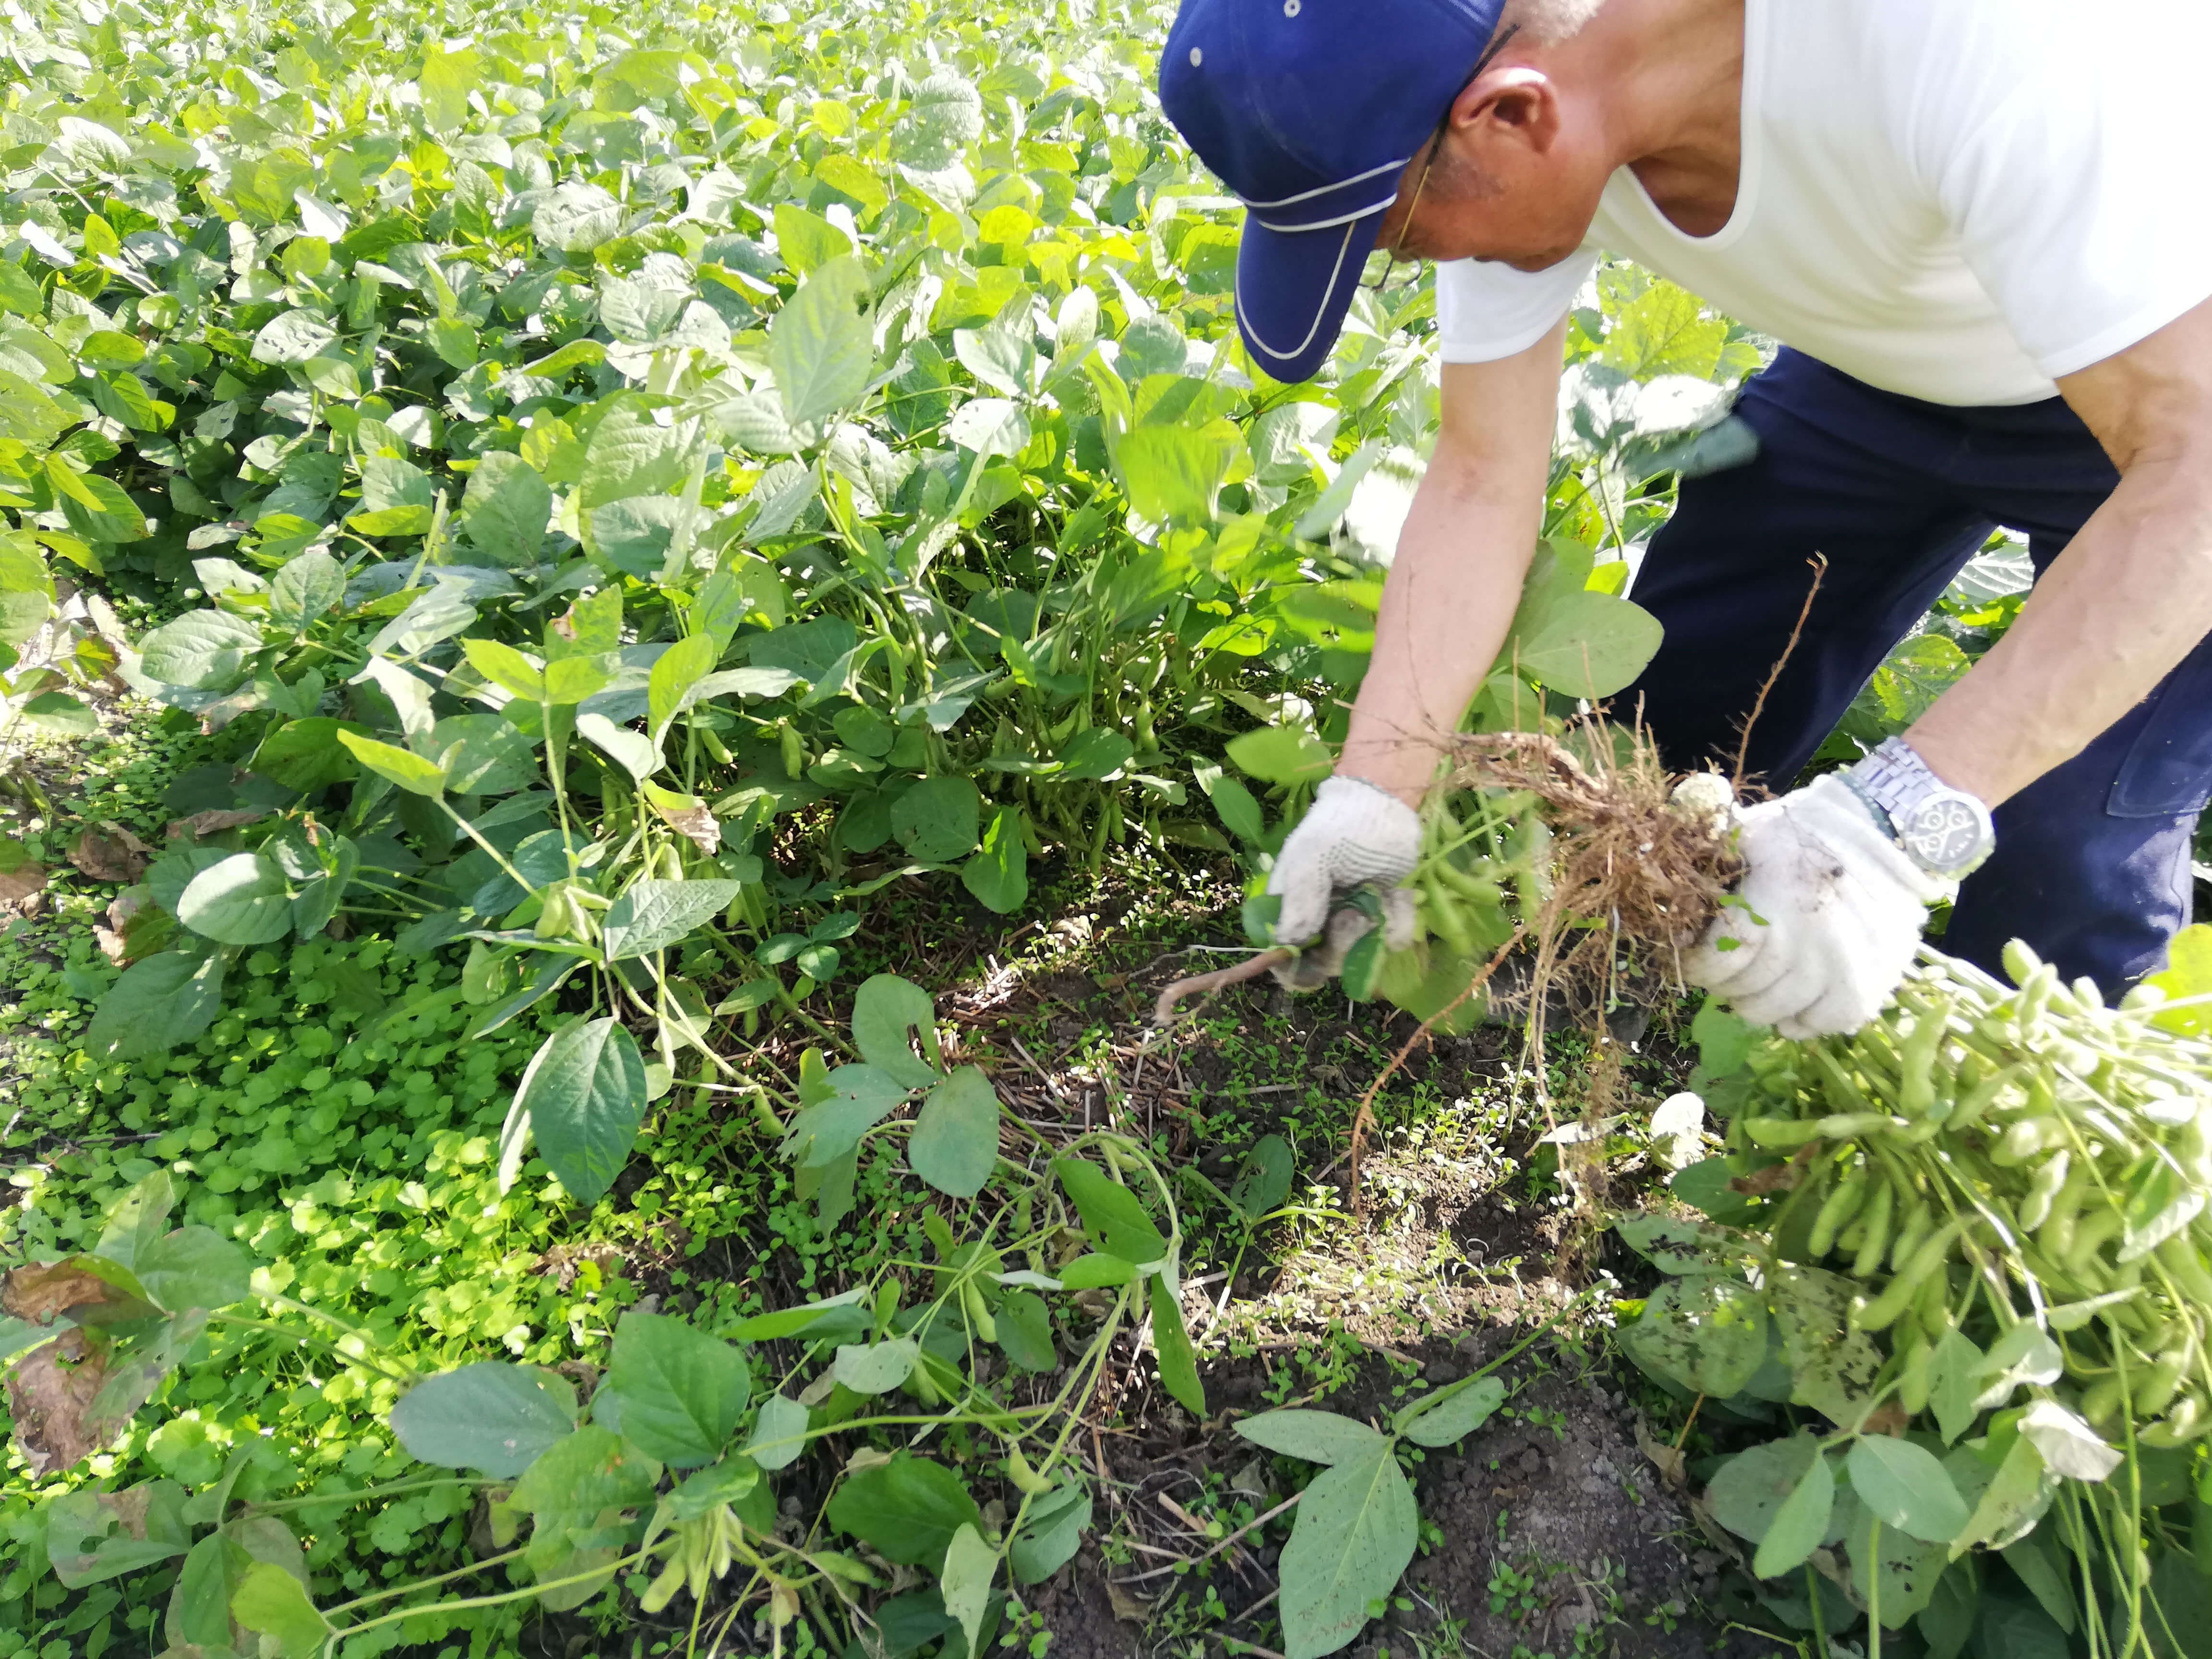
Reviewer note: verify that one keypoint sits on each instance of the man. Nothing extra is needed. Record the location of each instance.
(1973, 224)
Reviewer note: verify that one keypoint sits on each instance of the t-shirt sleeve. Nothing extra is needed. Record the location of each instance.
(2066, 169)
(1486, 312)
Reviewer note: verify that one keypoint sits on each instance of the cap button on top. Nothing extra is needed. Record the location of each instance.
(1291, 7)
(1196, 57)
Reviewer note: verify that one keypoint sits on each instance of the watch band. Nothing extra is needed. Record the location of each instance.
(1944, 830)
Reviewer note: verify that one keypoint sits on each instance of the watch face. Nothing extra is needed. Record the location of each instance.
(1944, 832)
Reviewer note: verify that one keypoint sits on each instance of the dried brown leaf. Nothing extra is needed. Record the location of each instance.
(200, 826)
(43, 1289)
(106, 858)
(21, 879)
(698, 825)
(49, 1390)
(128, 836)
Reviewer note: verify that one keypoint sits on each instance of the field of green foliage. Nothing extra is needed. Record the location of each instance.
(567, 576)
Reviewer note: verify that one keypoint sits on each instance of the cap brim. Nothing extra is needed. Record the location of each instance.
(1293, 288)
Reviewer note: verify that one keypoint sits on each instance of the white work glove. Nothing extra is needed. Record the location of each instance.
(1832, 910)
(1354, 835)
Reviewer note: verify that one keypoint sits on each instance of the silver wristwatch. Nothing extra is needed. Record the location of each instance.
(1946, 831)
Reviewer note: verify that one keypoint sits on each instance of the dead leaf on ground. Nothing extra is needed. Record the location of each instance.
(1129, 1609)
(1672, 1467)
(21, 875)
(43, 1289)
(200, 826)
(49, 1391)
(120, 939)
(106, 858)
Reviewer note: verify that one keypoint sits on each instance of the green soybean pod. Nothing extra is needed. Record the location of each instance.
(1910, 1236)
(2091, 1234)
(2157, 1388)
(2043, 1189)
(1836, 1209)
(1882, 1312)
(1915, 1094)
(1781, 1131)
(1931, 1306)
(1876, 1245)
(2179, 1257)
(1919, 1367)
(2100, 1402)
(2024, 1139)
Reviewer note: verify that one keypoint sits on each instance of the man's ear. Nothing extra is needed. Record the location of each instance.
(1516, 106)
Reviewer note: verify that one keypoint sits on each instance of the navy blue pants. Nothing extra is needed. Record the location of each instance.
(2092, 861)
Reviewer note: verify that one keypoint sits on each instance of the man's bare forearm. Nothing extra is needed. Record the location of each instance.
(1461, 558)
(2111, 617)
(1446, 606)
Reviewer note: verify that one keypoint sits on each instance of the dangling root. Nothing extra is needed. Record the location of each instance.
(1205, 985)
(1634, 880)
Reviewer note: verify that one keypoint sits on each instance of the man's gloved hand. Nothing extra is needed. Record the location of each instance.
(1354, 835)
(1832, 910)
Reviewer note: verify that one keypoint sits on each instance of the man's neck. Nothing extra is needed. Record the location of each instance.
(1668, 76)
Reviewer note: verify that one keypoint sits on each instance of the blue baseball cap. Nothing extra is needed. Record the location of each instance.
(1310, 110)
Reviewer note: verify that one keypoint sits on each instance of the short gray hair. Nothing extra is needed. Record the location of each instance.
(1548, 23)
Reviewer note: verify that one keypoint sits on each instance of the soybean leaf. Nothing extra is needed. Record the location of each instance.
(1748, 1491)
(1355, 1536)
(1263, 1179)
(907, 1509)
(821, 344)
(652, 915)
(1317, 1437)
(955, 1143)
(490, 1416)
(241, 901)
(884, 1009)
(997, 873)
(1048, 1538)
(1282, 754)
(859, 1098)
(1707, 1333)
(585, 1092)
(505, 508)
(1171, 1343)
(1097, 1271)
(1452, 1413)
(1831, 1365)
(1800, 1523)
(778, 1433)
(1955, 1384)
(311, 582)
(1112, 1219)
(877, 1368)
(1587, 644)
(969, 1565)
(682, 1390)
(403, 767)
(680, 668)
(273, 1604)
(204, 650)
(936, 820)
(2069, 1445)
(1025, 1331)
(194, 1267)
(167, 999)
(2013, 1502)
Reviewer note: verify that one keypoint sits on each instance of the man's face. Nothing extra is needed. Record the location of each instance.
(1509, 182)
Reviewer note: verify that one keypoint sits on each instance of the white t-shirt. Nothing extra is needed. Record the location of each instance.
(1959, 200)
